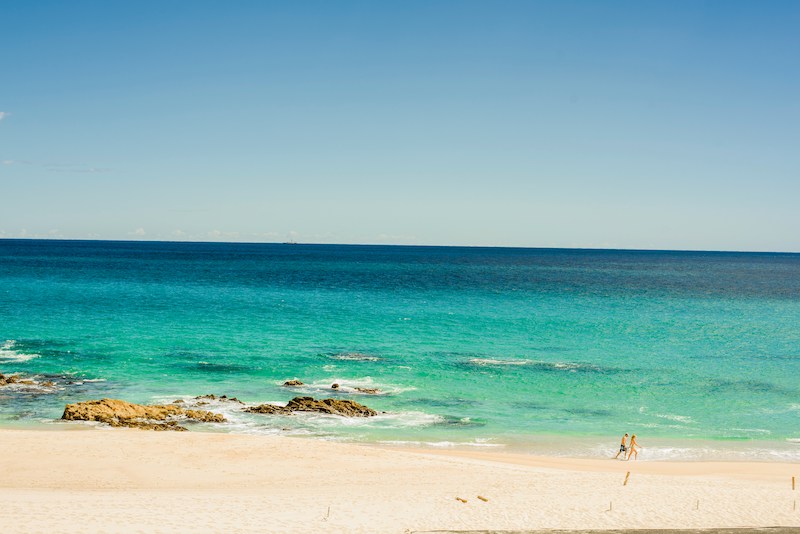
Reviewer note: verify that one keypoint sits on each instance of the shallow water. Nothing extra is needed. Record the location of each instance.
(528, 349)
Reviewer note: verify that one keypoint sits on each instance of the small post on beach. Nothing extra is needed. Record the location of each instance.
(627, 476)
(792, 483)
(611, 506)
(697, 506)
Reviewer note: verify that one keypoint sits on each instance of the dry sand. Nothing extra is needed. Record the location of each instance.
(90, 480)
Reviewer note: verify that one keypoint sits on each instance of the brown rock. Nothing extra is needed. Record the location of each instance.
(334, 386)
(204, 416)
(345, 408)
(293, 383)
(120, 413)
(6, 380)
(267, 409)
(368, 391)
(204, 398)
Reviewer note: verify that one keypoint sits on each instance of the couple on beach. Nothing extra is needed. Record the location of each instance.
(632, 449)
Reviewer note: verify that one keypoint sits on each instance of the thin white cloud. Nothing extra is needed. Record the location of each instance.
(139, 232)
(3, 115)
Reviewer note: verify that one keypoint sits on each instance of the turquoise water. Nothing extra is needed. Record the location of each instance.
(484, 347)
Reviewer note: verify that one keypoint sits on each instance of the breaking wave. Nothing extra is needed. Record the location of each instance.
(8, 354)
(354, 357)
(352, 386)
(540, 365)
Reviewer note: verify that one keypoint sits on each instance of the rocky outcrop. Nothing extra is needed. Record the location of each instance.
(204, 398)
(7, 380)
(121, 413)
(293, 383)
(268, 409)
(368, 391)
(345, 408)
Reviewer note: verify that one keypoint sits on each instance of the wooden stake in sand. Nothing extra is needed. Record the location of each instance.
(792, 483)
(484, 499)
(627, 476)
(462, 500)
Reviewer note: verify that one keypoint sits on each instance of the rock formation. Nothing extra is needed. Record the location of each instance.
(345, 408)
(120, 413)
(293, 383)
(368, 391)
(224, 398)
(7, 380)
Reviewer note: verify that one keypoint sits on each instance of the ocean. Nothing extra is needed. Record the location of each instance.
(553, 351)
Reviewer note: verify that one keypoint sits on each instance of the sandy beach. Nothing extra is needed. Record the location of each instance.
(89, 480)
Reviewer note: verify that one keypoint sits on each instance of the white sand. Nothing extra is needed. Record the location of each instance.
(91, 480)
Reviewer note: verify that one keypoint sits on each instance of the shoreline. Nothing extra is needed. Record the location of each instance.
(84, 479)
(658, 449)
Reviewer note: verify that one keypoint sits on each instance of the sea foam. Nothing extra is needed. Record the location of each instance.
(8, 354)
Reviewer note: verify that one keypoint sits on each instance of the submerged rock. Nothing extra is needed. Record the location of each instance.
(368, 391)
(214, 397)
(334, 386)
(268, 409)
(293, 383)
(121, 413)
(7, 380)
(345, 408)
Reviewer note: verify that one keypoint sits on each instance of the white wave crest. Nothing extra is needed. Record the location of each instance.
(351, 386)
(493, 361)
(8, 354)
(355, 357)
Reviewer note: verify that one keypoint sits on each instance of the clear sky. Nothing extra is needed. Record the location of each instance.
(670, 124)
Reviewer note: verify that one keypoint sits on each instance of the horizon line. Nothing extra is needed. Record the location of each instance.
(294, 243)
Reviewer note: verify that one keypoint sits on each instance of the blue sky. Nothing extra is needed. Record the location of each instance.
(669, 125)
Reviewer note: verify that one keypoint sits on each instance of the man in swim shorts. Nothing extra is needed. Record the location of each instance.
(622, 447)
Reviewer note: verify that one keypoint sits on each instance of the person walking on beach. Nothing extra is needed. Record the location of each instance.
(622, 447)
(633, 449)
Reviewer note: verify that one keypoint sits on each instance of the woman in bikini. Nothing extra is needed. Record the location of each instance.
(633, 449)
